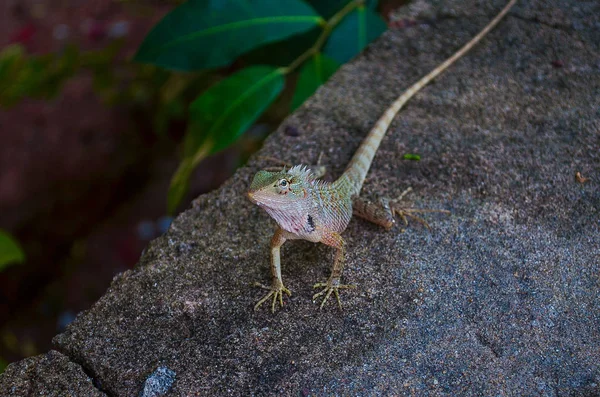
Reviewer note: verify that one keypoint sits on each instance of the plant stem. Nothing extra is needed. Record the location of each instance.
(327, 28)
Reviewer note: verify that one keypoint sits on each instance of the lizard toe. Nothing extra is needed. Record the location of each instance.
(275, 292)
(328, 289)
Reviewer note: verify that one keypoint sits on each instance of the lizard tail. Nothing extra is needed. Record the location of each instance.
(357, 169)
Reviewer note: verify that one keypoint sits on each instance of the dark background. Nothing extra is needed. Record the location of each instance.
(83, 182)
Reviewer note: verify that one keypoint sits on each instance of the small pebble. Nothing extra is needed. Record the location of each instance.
(158, 383)
(290, 130)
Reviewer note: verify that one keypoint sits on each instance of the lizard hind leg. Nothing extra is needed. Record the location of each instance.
(385, 213)
(404, 213)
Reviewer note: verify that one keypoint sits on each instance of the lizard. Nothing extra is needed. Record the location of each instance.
(306, 207)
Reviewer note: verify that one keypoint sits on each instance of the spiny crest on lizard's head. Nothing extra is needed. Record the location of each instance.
(277, 189)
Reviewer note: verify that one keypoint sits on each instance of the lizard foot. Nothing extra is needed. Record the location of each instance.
(331, 287)
(405, 213)
(276, 291)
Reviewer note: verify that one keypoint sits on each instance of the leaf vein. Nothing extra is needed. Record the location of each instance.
(236, 26)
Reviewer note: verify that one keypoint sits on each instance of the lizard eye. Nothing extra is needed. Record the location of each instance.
(283, 183)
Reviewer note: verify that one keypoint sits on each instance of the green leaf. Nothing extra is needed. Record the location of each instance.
(10, 251)
(220, 115)
(329, 8)
(225, 110)
(353, 33)
(208, 34)
(179, 185)
(284, 52)
(313, 74)
(411, 156)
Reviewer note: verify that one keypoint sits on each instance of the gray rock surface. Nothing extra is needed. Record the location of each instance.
(50, 374)
(500, 298)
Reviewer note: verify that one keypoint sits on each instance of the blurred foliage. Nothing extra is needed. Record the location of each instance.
(42, 76)
(24, 347)
(352, 35)
(201, 35)
(194, 49)
(313, 36)
(162, 94)
(220, 115)
(10, 251)
(313, 74)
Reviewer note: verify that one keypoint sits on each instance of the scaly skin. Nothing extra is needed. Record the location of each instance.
(307, 208)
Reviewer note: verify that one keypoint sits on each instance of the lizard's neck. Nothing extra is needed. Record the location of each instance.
(293, 216)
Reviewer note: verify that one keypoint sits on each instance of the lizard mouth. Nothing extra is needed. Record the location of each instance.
(251, 198)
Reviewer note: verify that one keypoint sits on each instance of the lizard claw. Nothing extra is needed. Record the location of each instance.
(276, 291)
(328, 288)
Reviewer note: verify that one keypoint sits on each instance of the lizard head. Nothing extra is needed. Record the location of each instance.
(280, 189)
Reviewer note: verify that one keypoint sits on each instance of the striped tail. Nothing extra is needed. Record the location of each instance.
(354, 176)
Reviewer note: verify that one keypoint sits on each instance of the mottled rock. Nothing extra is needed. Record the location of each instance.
(50, 374)
(499, 298)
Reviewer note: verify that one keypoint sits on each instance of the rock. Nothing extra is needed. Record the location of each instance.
(50, 374)
(499, 298)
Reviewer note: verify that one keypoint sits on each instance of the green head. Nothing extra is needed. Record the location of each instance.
(280, 189)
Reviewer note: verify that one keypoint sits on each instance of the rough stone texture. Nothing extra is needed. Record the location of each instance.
(50, 374)
(500, 298)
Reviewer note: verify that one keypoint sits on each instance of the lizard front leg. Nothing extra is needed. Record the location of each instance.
(332, 285)
(277, 288)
